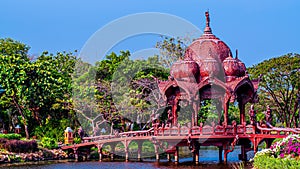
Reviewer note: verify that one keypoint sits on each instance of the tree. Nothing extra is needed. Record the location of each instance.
(135, 88)
(171, 50)
(38, 90)
(14, 64)
(280, 86)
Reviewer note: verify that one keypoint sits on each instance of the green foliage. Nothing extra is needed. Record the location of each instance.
(49, 143)
(10, 136)
(53, 129)
(171, 50)
(208, 112)
(234, 113)
(284, 153)
(148, 147)
(279, 87)
(134, 88)
(37, 91)
(267, 162)
(77, 140)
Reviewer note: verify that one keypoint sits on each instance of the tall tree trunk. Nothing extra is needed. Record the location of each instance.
(26, 130)
(23, 117)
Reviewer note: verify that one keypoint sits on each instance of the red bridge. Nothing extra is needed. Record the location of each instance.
(169, 139)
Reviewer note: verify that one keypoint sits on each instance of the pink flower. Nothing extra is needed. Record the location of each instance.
(282, 155)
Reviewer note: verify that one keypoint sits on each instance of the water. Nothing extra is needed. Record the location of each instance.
(208, 159)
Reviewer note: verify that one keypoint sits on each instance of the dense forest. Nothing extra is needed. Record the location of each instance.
(47, 93)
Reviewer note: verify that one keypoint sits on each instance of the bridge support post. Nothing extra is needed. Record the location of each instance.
(126, 145)
(100, 152)
(156, 152)
(75, 153)
(112, 153)
(176, 155)
(169, 157)
(220, 153)
(139, 151)
(269, 142)
(88, 154)
(226, 151)
(196, 149)
(243, 153)
(196, 156)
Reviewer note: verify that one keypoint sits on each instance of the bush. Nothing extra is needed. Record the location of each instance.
(49, 143)
(267, 162)
(285, 153)
(77, 140)
(20, 146)
(11, 136)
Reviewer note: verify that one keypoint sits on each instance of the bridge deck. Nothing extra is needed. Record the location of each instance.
(224, 137)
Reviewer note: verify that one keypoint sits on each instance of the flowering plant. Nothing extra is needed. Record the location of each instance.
(282, 154)
(287, 147)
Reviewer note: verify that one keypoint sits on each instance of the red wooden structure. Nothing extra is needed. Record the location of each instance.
(208, 71)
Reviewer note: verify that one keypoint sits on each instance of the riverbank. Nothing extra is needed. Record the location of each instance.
(41, 155)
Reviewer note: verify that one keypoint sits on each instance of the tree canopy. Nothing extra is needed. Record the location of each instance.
(280, 87)
(35, 90)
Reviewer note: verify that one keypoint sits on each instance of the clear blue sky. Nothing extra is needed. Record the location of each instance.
(260, 29)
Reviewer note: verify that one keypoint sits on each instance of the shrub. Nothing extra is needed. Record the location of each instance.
(20, 146)
(49, 143)
(267, 162)
(282, 154)
(77, 140)
(11, 136)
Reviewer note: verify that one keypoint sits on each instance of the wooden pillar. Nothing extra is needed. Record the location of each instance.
(126, 154)
(243, 153)
(126, 145)
(196, 156)
(88, 153)
(195, 113)
(255, 144)
(156, 152)
(75, 153)
(242, 112)
(225, 148)
(220, 153)
(226, 105)
(139, 152)
(169, 157)
(100, 153)
(176, 155)
(269, 142)
(174, 113)
(112, 153)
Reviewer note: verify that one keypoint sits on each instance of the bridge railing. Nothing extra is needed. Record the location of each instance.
(228, 130)
(142, 133)
(278, 131)
(199, 130)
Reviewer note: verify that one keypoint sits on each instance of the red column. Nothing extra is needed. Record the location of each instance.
(242, 112)
(174, 112)
(195, 113)
(226, 104)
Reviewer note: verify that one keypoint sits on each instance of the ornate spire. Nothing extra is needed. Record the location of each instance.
(236, 54)
(207, 29)
(207, 18)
